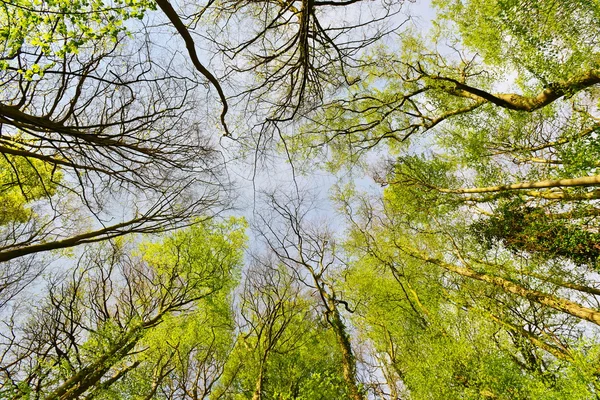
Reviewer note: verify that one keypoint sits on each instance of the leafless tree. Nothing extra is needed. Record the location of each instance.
(110, 135)
(308, 248)
(279, 58)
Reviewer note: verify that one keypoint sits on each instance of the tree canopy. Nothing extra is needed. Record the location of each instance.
(423, 220)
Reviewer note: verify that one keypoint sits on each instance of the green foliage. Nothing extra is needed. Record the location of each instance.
(437, 334)
(580, 156)
(22, 181)
(201, 258)
(437, 314)
(311, 372)
(551, 40)
(522, 228)
(136, 316)
(305, 364)
(60, 27)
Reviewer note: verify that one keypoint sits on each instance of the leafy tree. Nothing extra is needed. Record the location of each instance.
(310, 250)
(284, 350)
(23, 181)
(465, 149)
(21, 184)
(530, 229)
(478, 330)
(116, 312)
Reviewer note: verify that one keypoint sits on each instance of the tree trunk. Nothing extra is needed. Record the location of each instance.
(258, 389)
(557, 303)
(549, 183)
(540, 195)
(348, 360)
(513, 101)
(91, 375)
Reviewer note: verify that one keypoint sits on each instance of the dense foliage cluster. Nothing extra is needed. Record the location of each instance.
(529, 229)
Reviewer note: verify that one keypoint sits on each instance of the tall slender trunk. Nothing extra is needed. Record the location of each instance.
(558, 303)
(258, 389)
(260, 380)
(545, 184)
(545, 194)
(343, 339)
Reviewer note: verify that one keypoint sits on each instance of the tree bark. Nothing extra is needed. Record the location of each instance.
(513, 101)
(540, 195)
(343, 339)
(560, 304)
(260, 380)
(90, 375)
(545, 184)
(109, 232)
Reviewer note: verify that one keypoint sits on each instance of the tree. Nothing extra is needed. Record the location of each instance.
(270, 304)
(311, 253)
(443, 331)
(95, 121)
(102, 319)
(522, 228)
(284, 350)
(290, 56)
(465, 150)
(296, 50)
(447, 91)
